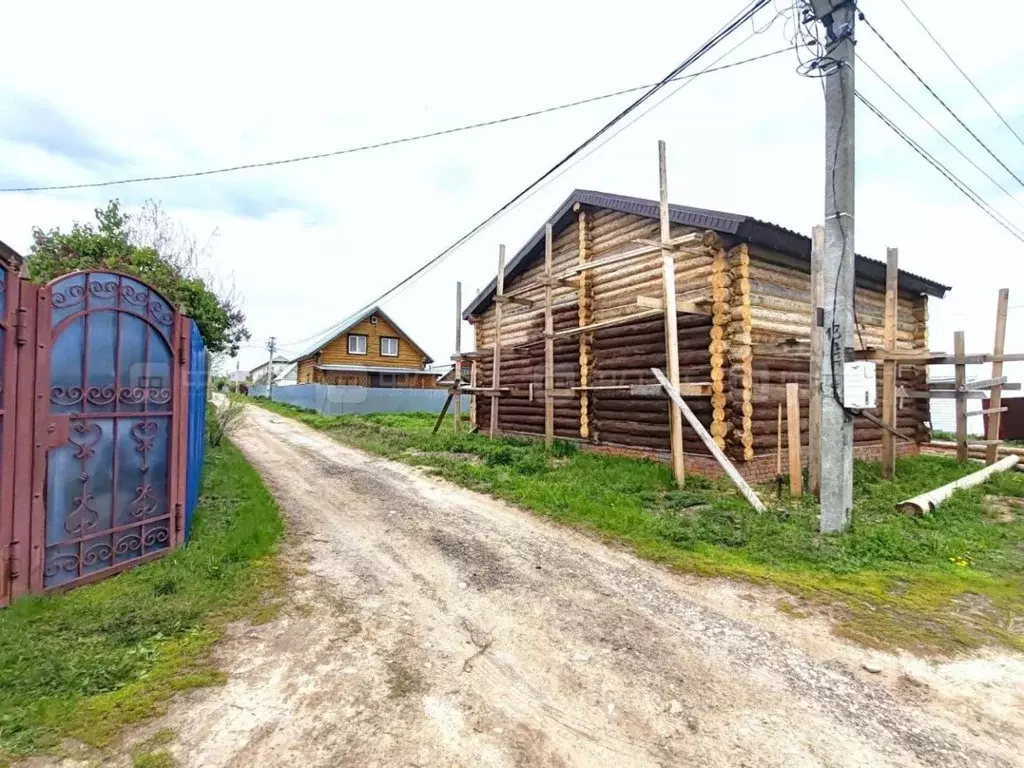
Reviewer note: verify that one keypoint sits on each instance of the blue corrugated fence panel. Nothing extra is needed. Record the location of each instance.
(335, 400)
(196, 450)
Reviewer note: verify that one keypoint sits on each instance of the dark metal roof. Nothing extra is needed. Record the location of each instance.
(10, 257)
(742, 228)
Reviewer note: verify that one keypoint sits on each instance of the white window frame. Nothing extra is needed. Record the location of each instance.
(354, 337)
(388, 338)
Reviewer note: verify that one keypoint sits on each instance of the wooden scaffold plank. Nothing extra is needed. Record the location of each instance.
(889, 366)
(796, 471)
(730, 470)
(458, 353)
(961, 401)
(668, 279)
(814, 379)
(996, 400)
(496, 363)
(549, 344)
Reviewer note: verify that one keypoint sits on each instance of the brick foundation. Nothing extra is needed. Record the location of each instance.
(761, 469)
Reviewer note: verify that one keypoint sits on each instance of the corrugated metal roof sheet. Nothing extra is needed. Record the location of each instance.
(745, 228)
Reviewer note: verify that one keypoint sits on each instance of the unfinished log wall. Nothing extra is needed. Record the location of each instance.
(615, 356)
(780, 318)
(624, 355)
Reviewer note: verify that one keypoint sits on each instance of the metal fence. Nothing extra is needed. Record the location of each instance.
(335, 400)
(196, 439)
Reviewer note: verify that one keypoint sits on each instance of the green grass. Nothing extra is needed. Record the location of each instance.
(947, 582)
(85, 663)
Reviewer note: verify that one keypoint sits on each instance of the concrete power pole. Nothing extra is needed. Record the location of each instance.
(272, 346)
(837, 264)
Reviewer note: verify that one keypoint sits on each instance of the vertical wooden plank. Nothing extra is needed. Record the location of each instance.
(992, 450)
(496, 370)
(668, 278)
(778, 450)
(472, 398)
(21, 405)
(549, 344)
(960, 379)
(889, 366)
(814, 382)
(458, 357)
(796, 472)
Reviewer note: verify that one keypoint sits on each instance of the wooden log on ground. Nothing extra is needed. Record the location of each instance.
(926, 502)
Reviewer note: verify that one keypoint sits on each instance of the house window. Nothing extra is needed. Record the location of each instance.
(388, 346)
(356, 344)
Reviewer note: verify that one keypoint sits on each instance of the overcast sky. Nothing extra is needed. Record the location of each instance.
(104, 90)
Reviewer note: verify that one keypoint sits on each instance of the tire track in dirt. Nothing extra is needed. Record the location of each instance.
(595, 658)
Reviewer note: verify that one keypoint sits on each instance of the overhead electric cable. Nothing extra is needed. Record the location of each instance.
(381, 144)
(741, 18)
(950, 176)
(961, 71)
(939, 99)
(940, 133)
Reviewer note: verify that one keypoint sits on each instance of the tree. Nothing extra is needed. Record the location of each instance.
(157, 250)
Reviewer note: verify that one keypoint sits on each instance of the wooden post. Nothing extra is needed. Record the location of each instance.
(889, 366)
(496, 369)
(814, 380)
(668, 278)
(796, 471)
(458, 357)
(995, 402)
(472, 398)
(778, 452)
(960, 381)
(549, 344)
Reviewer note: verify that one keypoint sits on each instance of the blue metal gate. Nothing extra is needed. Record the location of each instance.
(112, 363)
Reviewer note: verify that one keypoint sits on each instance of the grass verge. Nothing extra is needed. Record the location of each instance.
(85, 663)
(940, 584)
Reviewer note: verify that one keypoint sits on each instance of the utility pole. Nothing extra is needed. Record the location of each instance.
(837, 16)
(272, 346)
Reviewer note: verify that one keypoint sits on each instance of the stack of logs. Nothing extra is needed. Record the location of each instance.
(624, 355)
(524, 366)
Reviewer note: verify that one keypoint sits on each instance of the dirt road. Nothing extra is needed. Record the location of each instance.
(431, 626)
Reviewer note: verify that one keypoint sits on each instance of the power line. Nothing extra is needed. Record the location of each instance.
(939, 99)
(961, 71)
(383, 144)
(950, 176)
(945, 138)
(710, 68)
(741, 18)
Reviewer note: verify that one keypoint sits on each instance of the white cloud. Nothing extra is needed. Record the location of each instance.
(207, 85)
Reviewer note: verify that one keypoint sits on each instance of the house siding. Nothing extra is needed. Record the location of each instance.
(335, 352)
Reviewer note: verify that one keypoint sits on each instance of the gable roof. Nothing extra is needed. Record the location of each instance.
(325, 338)
(743, 228)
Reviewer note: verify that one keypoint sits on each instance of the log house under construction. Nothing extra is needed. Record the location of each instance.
(744, 319)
